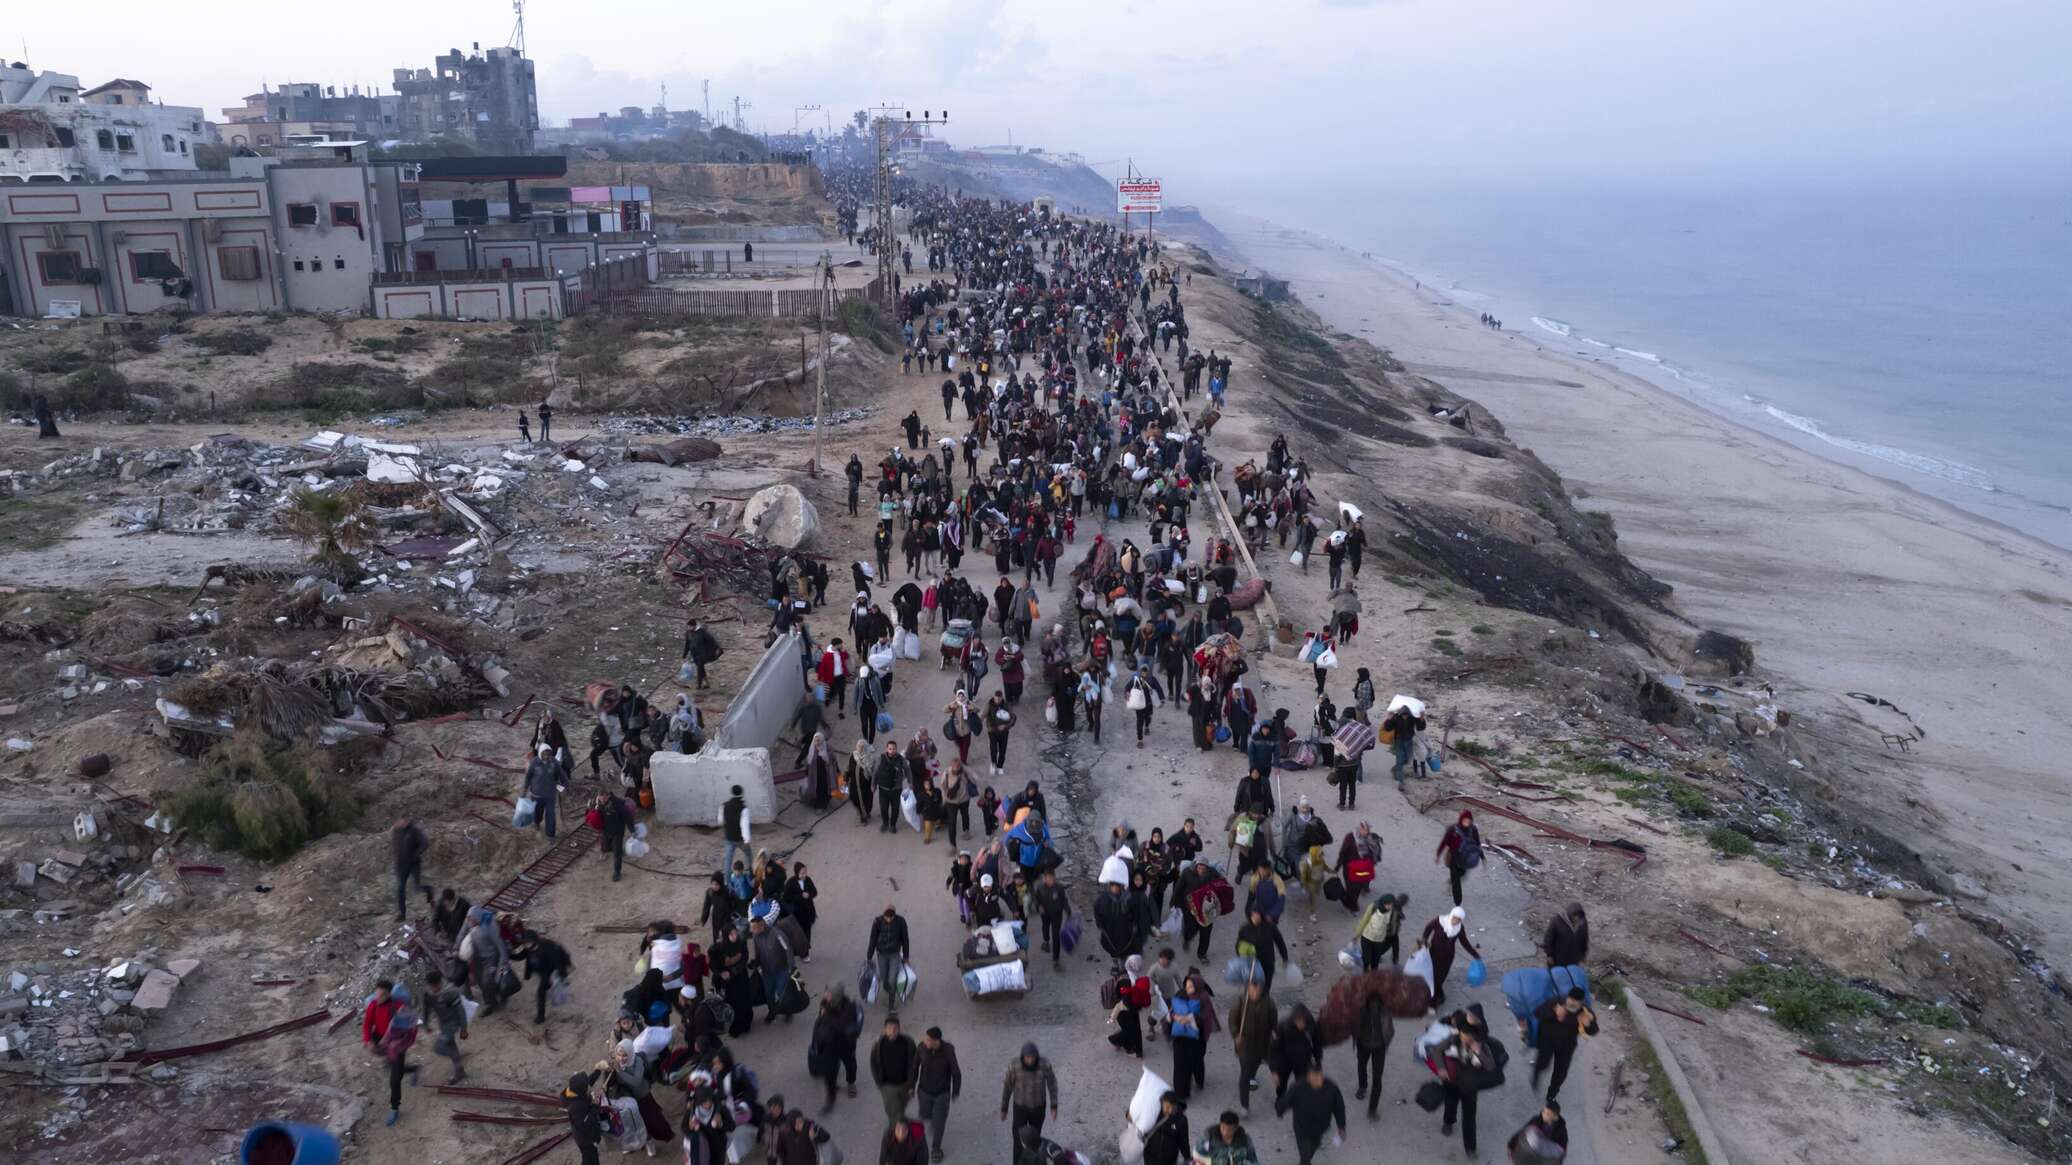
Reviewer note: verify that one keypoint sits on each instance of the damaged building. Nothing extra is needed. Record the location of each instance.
(52, 131)
(318, 227)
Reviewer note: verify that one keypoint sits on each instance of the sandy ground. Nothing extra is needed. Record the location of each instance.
(1843, 581)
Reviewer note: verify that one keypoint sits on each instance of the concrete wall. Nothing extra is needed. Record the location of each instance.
(767, 698)
(690, 790)
(500, 299)
(107, 227)
(326, 267)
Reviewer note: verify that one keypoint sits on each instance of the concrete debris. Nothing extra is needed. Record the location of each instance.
(729, 426)
(782, 516)
(392, 470)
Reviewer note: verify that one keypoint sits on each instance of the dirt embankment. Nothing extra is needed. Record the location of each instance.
(1875, 999)
(168, 367)
(719, 195)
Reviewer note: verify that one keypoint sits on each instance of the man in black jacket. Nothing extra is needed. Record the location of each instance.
(612, 827)
(854, 472)
(1296, 1048)
(895, 1061)
(887, 950)
(1567, 942)
(545, 960)
(701, 647)
(1563, 1021)
(937, 1081)
(407, 845)
(890, 776)
(1119, 922)
(1317, 1104)
(1052, 907)
(584, 1119)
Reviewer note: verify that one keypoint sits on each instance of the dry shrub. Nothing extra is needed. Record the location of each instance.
(119, 629)
(235, 342)
(270, 820)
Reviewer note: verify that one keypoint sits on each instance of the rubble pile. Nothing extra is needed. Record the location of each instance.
(63, 1016)
(728, 426)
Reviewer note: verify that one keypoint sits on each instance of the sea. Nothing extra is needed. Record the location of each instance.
(1924, 336)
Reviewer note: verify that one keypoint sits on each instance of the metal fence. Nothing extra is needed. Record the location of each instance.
(611, 279)
(725, 259)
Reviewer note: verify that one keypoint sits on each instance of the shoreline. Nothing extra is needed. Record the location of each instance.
(1843, 579)
(1696, 388)
(1438, 299)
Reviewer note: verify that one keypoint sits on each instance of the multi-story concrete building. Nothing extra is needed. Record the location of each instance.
(53, 131)
(317, 227)
(488, 100)
(303, 109)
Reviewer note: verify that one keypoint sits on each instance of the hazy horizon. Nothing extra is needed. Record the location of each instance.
(1411, 92)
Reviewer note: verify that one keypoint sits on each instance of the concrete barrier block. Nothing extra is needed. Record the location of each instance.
(689, 790)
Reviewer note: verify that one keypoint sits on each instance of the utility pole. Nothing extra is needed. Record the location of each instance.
(825, 269)
(708, 103)
(888, 132)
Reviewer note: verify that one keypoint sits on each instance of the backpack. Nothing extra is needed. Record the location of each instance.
(1111, 991)
(722, 1011)
(1470, 852)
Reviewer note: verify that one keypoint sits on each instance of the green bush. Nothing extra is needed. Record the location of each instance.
(262, 799)
(1730, 841)
(1687, 799)
(1806, 1002)
(1482, 629)
(1446, 647)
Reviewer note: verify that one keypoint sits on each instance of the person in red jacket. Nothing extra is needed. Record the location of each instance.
(1136, 996)
(834, 670)
(374, 1024)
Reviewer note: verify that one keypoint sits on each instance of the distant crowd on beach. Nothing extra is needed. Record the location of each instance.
(1490, 321)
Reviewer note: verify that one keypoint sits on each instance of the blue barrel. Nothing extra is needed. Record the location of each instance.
(286, 1143)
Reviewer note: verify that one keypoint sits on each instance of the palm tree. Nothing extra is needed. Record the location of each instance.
(335, 523)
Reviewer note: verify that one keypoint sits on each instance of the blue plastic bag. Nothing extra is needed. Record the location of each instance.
(1068, 934)
(1222, 734)
(1477, 973)
(884, 721)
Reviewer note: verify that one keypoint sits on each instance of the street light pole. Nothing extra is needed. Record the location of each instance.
(825, 270)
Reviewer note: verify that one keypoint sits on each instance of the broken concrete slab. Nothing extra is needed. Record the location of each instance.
(383, 468)
(156, 993)
(183, 967)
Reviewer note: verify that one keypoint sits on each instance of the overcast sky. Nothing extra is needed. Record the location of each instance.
(1204, 91)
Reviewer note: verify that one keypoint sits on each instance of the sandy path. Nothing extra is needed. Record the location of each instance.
(859, 870)
(1844, 581)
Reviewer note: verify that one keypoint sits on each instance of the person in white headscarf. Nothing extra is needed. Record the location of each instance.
(1441, 936)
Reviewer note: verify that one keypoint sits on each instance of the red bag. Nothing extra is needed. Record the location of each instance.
(1359, 870)
(594, 819)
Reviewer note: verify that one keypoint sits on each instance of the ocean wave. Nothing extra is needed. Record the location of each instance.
(1593, 343)
(1554, 326)
(1951, 471)
(1650, 357)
